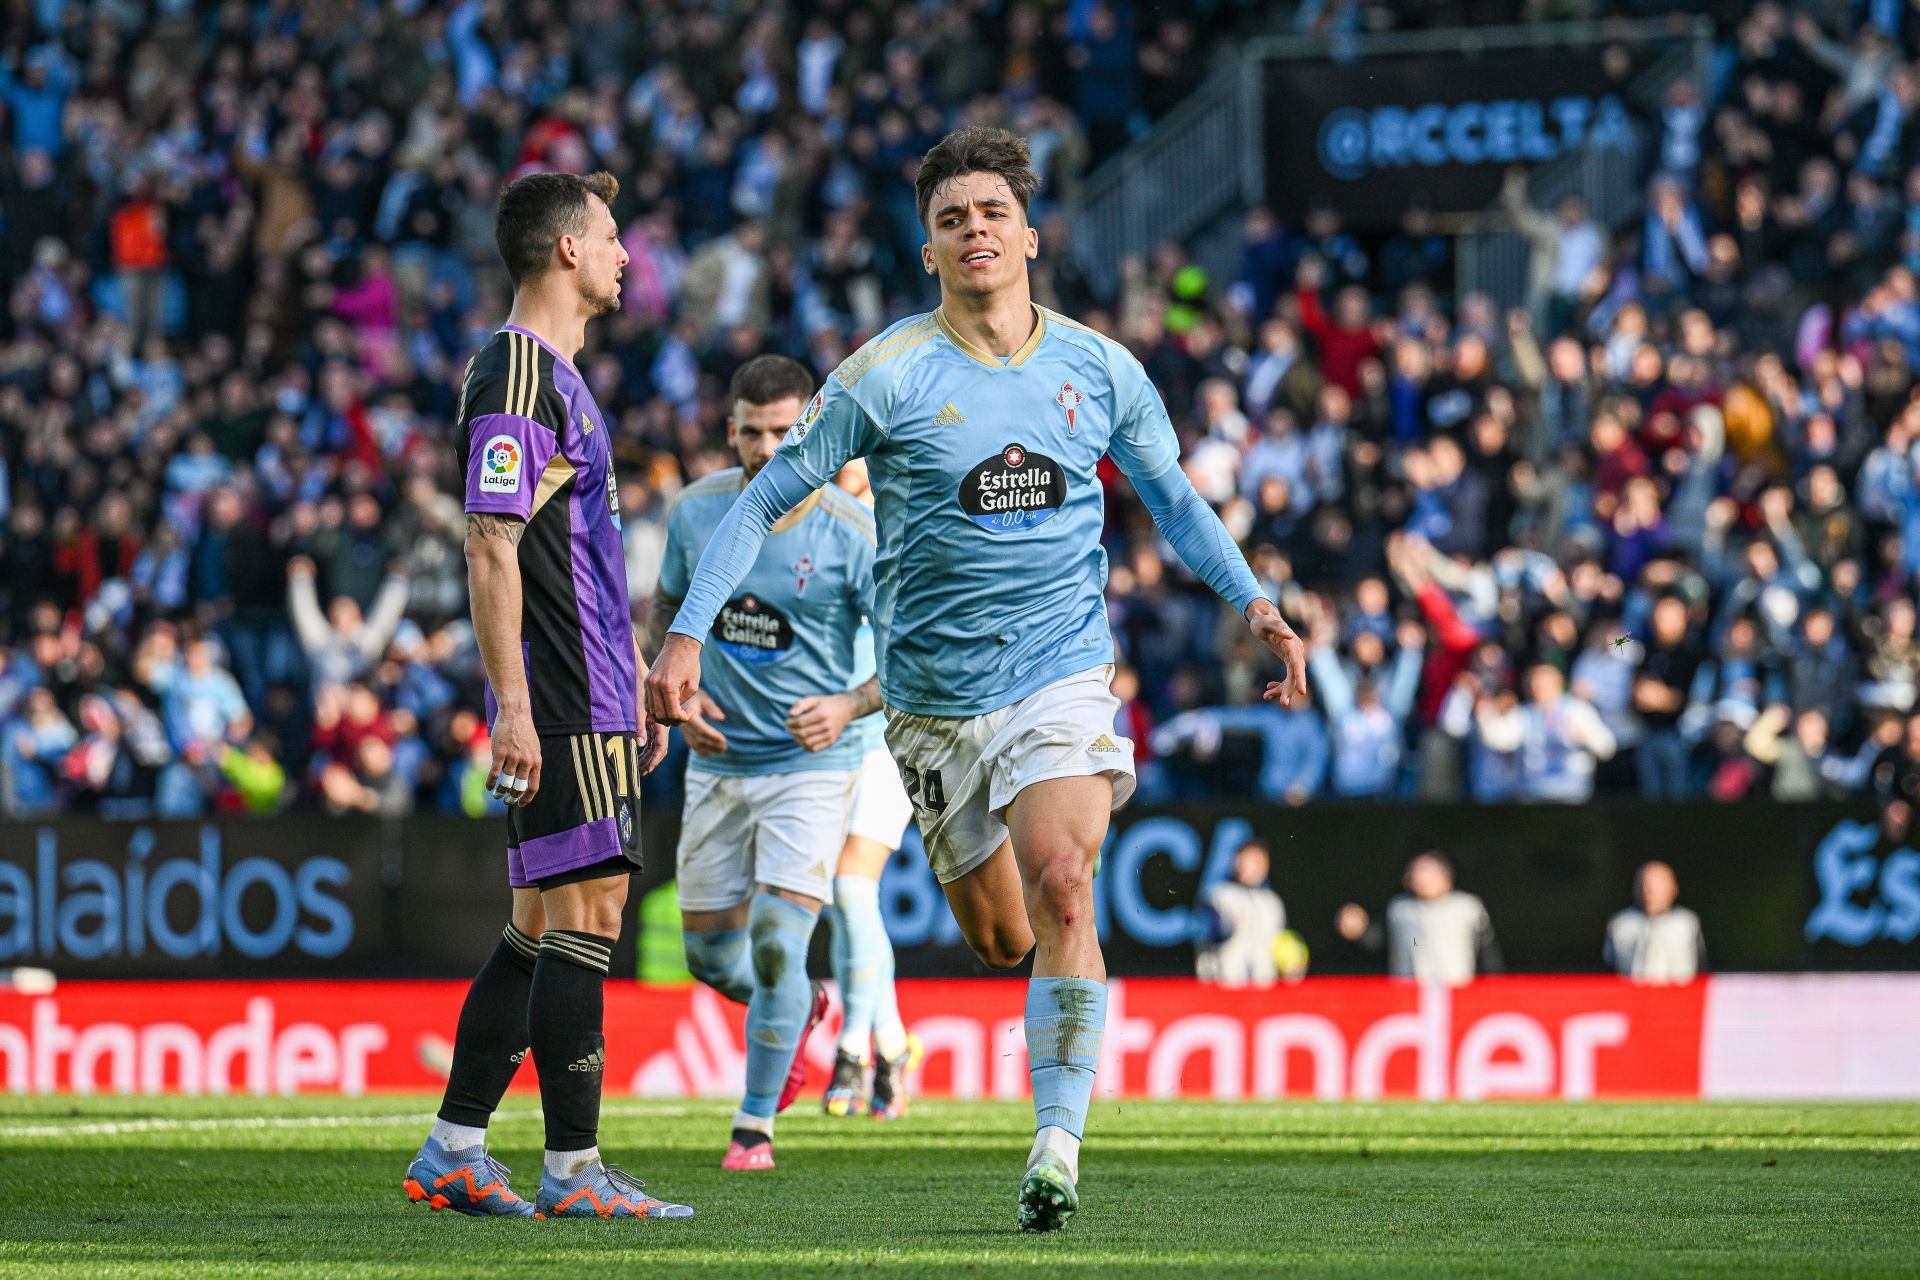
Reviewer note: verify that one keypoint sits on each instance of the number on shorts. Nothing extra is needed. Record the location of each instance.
(935, 799)
(616, 748)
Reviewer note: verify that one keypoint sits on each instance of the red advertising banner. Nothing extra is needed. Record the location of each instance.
(1561, 1037)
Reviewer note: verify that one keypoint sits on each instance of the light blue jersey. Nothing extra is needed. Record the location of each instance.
(789, 630)
(866, 665)
(988, 505)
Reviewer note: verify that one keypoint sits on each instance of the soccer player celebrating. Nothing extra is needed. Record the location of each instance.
(862, 952)
(983, 424)
(548, 581)
(774, 765)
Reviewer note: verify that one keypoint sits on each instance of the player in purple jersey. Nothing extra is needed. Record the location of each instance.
(547, 576)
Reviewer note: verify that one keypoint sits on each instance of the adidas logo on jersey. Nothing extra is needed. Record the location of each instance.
(948, 416)
(1104, 745)
(595, 1061)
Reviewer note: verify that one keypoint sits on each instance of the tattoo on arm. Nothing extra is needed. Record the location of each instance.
(483, 524)
(660, 616)
(866, 699)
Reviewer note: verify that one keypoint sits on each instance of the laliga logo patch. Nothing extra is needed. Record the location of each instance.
(798, 431)
(751, 630)
(1013, 490)
(500, 465)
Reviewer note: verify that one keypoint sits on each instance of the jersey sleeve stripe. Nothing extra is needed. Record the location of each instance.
(513, 374)
(899, 350)
(559, 471)
(864, 359)
(1057, 318)
(848, 512)
(864, 528)
(530, 361)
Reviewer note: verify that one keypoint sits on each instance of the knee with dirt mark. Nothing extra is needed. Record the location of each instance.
(769, 956)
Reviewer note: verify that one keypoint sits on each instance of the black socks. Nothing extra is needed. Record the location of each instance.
(565, 1013)
(491, 1042)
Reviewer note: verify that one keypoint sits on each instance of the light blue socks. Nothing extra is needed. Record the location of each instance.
(863, 966)
(1066, 1021)
(719, 959)
(778, 932)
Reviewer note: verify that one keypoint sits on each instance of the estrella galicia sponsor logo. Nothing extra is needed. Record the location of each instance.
(1013, 490)
(1356, 141)
(751, 630)
(1864, 898)
(626, 824)
(143, 905)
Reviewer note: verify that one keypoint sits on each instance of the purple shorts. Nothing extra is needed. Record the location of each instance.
(586, 812)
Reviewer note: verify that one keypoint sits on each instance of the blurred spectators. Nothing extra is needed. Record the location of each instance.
(1658, 529)
(247, 250)
(1433, 932)
(1245, 919)
(1656, 940)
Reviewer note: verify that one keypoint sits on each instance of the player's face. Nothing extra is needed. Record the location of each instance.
(978, 240)
(756, 430)
(602, 259)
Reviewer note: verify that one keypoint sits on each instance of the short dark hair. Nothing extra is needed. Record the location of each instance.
(976, 149)
(764, 379)
(537, 210)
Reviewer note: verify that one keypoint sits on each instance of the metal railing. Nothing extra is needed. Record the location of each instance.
(1610, 180)
(1208, 158)
(1167, 185)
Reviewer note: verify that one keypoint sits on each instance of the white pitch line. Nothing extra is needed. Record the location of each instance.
(117, 1128)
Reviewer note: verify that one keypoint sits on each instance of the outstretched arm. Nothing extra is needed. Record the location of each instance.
(778, 489)
(1148, 453)
(834, 429)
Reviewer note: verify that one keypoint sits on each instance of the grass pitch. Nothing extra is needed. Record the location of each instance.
(101, 1187)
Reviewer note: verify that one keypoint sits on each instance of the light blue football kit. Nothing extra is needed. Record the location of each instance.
(993, 643)
(988, 506)
(788, 631)
(766, 811)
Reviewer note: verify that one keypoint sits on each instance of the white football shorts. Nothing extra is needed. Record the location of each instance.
(881, 810)
(778, 829)
(963, 772)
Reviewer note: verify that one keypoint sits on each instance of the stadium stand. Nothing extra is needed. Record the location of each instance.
(247, 250)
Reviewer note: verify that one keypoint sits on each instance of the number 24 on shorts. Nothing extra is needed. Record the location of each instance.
(935, 799)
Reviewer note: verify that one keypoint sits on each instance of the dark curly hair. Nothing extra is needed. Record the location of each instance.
(976, 149)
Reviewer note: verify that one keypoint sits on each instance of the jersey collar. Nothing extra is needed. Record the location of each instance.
(1027, 348)
(551, 349)
(799, 513)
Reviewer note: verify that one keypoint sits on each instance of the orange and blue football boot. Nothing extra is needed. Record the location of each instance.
(600, 1191)
(465, 1181)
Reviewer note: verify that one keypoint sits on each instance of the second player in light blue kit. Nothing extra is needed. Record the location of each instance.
(779, 740)
(983, 424)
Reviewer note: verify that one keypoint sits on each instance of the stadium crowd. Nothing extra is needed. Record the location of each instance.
(1657, 530)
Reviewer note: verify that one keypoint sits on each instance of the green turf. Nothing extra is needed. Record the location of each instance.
(240, 1186)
